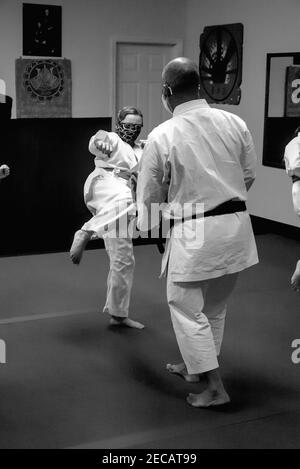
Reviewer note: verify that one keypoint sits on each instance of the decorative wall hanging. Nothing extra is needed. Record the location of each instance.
(292, 91)
(42, 30)
(220, 63)
(43, 88)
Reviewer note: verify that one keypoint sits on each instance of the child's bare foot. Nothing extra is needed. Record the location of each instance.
(119, 321)
(295, 280)
(81, 238)
(180, 370)
(208, 398)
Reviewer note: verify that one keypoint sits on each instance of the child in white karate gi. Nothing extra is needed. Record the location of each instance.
(108, 196)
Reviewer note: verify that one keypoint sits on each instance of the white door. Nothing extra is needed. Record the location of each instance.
(138, 80)
(2, 91)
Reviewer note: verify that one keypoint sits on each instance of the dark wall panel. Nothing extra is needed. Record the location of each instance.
(42, 200)
(277, 134)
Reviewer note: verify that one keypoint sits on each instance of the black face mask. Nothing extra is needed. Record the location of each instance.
(128, 132)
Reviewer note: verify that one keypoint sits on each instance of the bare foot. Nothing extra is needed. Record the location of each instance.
(208, 398)
(181, 371)
(118, 321)
(81, 238)
(295, 280)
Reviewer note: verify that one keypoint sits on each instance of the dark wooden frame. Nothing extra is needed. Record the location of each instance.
(278, 131)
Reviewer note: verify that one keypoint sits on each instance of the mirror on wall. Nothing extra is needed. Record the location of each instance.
(282, 105)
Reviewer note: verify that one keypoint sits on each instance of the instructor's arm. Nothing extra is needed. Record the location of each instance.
(152, 186)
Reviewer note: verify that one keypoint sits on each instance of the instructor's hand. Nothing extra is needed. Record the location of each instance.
(104, 147)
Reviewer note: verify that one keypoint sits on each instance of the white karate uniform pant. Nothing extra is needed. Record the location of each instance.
(198, 311)
(120, 277)
(109, 199)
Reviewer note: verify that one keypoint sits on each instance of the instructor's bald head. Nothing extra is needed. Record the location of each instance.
(182, 76)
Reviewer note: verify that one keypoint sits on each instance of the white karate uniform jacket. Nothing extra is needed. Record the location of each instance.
(292, 157)
(203, 156)
(292, 166)
(107, 196)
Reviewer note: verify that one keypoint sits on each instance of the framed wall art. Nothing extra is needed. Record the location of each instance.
(220, 63)
(292, 91)
(42, 30)
(43, 88)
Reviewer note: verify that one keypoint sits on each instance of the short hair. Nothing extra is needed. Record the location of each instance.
(128, 110)
(184, 82)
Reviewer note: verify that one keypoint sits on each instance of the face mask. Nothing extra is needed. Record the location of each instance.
(128, 132)
(166, 104)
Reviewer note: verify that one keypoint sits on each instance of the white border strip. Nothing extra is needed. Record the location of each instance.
(36, 317)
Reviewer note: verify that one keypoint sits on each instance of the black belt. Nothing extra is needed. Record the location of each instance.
(231, 206)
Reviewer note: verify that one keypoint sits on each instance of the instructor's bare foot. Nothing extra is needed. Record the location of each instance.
(81, 238)
(118, 321)
(208, 398)
(295, 280)
(181, 371)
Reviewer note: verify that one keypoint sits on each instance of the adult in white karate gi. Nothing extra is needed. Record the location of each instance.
(200, 156)
(108, 196)
(292, 165)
